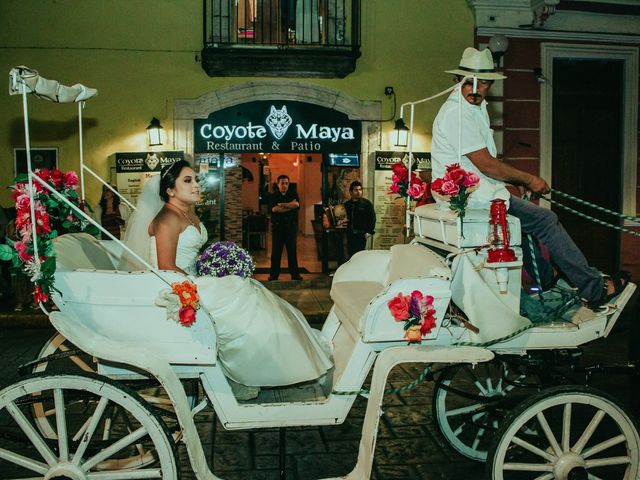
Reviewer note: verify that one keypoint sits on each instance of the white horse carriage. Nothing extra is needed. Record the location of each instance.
(89, 423)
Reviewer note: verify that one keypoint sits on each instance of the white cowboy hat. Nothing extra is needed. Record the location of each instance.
(479, 64)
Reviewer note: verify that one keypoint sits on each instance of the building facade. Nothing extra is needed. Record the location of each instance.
(183, 62)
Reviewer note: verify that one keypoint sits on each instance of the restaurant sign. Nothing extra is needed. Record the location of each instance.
(129, 162)
(277, 127)
(386, 159)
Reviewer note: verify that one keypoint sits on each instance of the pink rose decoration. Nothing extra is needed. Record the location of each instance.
(470, 179)
(417, 294)
(416, 190)
(450, 188)
(22, 202)
(71, 179)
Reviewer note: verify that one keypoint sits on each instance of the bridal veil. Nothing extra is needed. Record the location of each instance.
(137, 234)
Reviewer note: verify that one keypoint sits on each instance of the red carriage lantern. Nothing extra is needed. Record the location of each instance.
(498, 237)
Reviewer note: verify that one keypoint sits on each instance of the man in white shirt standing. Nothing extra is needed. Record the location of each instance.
(462, 134)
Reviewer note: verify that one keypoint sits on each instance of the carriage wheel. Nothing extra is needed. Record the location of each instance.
(566, 433)
(71, 364)
(99, 425)
(83, 362)
(468, 404)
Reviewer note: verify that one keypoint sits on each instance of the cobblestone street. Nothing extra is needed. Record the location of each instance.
(409, 445)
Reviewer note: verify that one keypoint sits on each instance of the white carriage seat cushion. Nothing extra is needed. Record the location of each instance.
(416, 261)
(81, 251)
(351, 300)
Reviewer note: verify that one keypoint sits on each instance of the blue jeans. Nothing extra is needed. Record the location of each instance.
(543, 224)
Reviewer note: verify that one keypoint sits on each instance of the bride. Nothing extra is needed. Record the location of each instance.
(262, 340)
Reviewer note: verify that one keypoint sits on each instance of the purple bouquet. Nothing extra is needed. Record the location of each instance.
(225, 258)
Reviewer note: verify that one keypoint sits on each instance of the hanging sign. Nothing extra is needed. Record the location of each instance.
(277, 127)
(386, 159)
(133, 169)
(390, 208)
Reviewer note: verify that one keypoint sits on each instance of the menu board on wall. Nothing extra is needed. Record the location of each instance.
(134, 169)
(390, 208)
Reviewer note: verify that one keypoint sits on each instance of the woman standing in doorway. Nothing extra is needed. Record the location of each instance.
(110, 213)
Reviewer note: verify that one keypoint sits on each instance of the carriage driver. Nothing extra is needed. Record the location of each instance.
(478, 154)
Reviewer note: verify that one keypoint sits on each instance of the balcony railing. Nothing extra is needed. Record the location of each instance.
(281, 37)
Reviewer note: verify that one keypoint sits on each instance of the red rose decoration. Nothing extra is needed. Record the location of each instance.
(187, 316)
(455, 173)
(399, 307)
(39, 296)
(401, 171)
(436, 185)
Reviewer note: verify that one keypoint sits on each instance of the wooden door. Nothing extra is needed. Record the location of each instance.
(587, 149)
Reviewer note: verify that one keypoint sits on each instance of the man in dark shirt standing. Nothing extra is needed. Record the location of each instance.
(284, 205)
(362, 219)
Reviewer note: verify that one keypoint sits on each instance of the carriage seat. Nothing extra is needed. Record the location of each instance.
(362, 287)
(81, 251)
(121, 305)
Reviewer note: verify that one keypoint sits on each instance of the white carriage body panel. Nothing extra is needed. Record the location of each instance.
(438, 223)
(332, 410)
(120, 306)
(378, 325)
(364, 285)
(578, 326)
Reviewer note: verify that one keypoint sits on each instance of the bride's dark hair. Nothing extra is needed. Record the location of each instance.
(169, 175)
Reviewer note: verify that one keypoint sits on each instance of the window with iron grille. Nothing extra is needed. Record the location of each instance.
(299, 26)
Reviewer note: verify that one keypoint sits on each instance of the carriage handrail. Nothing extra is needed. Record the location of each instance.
(16, 79)
(99, 178)
(83, 214)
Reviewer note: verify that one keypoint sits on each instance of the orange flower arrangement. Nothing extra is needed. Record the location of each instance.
(187, 293)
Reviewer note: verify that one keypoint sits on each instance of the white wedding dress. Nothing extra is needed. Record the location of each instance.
(262, 340)
(190, 242)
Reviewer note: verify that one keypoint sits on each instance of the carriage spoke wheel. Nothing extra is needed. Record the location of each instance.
(566, 433)
(82, 362)
(466, 407)
(71, 364)
(99, 425)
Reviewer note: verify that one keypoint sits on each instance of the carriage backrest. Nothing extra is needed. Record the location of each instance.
(81, 251)
(415, 261)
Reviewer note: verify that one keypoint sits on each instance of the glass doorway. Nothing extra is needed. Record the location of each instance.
(260, 174)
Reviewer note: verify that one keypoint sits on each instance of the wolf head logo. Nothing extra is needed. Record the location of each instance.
(278, 121)
(151, 161)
